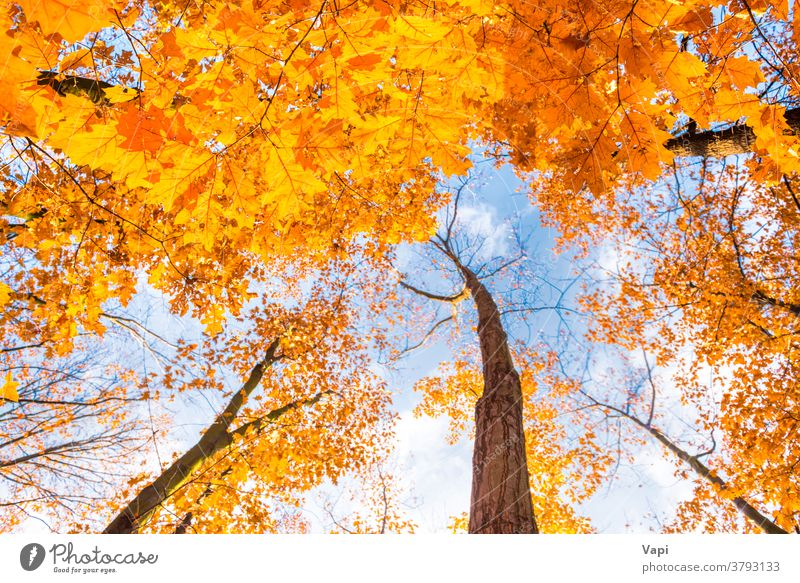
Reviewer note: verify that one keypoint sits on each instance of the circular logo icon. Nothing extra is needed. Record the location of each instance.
(31, 556)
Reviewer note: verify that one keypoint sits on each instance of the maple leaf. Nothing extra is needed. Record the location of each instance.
(72, 19)
(9, 389)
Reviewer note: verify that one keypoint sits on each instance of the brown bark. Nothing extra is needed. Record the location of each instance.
(738, 139)
(501, 495)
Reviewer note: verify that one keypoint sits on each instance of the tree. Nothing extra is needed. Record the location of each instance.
(308, 409)
(208, 147)
(513, 431)
(381, 507)
(647, 421)
(67, 429)
(708, 276)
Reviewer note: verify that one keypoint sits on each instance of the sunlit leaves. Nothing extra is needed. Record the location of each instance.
(267, 129)
(9, 389)
(209, 149)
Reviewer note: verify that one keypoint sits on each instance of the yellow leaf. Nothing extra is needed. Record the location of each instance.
(72, 19)
(743, 72)
(5, 294)
(422, 28)
(687, 64)
(9, 390)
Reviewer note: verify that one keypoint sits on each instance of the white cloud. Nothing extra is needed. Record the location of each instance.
(440, 474)
(481, 221)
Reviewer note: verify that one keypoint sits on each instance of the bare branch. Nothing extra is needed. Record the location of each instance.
(453, 298)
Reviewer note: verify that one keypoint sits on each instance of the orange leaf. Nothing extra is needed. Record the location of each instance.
(9, 390)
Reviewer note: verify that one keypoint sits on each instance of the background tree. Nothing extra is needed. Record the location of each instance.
(707, 276)
(515, 431)
(381, 504)
(67, 427)
(304, 406)
(638, 405)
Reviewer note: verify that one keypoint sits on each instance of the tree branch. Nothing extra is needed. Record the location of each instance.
(457, 297)
(258, 424)
(216, 438)
(748, 510)
(737, 139)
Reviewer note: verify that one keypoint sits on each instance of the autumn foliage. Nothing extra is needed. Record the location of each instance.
(259, 166)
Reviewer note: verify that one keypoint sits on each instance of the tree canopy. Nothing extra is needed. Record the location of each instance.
(261, 164)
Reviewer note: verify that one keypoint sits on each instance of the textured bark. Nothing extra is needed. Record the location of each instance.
(501, 495)
(738, 139)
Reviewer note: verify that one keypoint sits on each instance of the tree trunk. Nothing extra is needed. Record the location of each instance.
(501, 494)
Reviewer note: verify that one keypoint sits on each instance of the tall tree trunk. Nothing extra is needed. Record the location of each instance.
(501, 494)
